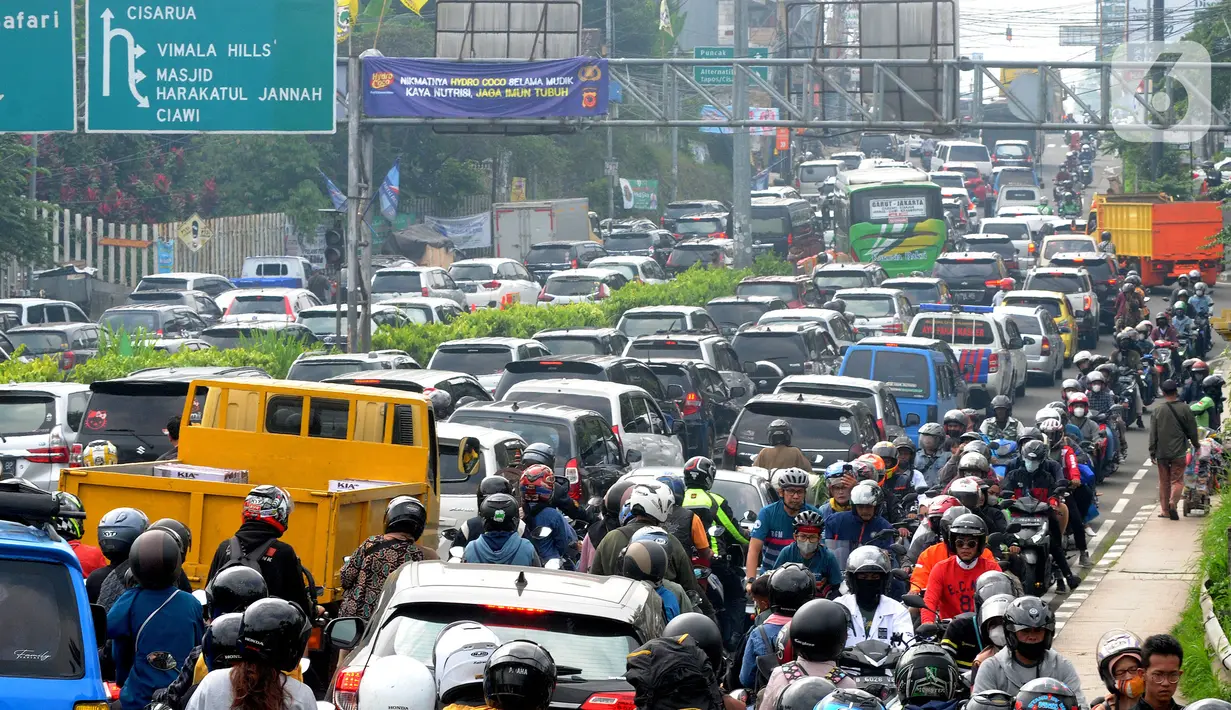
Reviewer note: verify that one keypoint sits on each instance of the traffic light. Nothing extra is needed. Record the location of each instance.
(335, 238)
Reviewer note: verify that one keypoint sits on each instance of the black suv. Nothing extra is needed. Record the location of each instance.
(1001, 244)
(683, 208)
(973, 277)
(225, 336)
(582, 439)
(199, 301)
(733, 312)
(709, 406)
(583, 341)
(710, 253)
(833, 428)
(771, 352)
(656, 243)
(881, 145)
(1104, 274)
(455, 384)
(609, 368)
(132, 412)
(546, 258)
(164, 321)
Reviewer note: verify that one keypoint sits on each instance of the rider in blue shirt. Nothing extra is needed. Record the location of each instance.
(775, 525)
(807, 550)
(537, 485)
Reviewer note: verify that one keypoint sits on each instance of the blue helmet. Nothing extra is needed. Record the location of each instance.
(676, 483)
(651, 533)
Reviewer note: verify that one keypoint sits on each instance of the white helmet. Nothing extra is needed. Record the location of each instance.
(866, 493)
(790, 477)
(1194, 275)
(1083, 356)
(1044, 414)
(651, 498)
(397, 683)
(459, 657)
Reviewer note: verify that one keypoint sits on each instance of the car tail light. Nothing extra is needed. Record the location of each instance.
(515, 609)
(286, 304)
(992, 283)
(790, 239)
(574, 263)
(1045, 347)
(717, 235)
(692, 404)
(892, 329)
(602, 292)
(1086, 302)
(1030, 247)
(67, 360)
(492, 284)
(670, 258)
(993, 363)
(74, 456)
(573, 473)
(113, 690)
(731, 449)
(48, 454)
(1029, 158)
(426, 292)
(880, 426)
(346, 690)
(610, 701)
(797, 185)
(544, 296)
(662, 221)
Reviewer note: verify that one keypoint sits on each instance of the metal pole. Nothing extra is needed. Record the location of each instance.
(1156, 150)
(674, 112)
(365, 248)
(34, 167)
(354, 149)
(741, 168)
(611, 179)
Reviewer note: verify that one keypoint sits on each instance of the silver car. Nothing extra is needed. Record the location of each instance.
(404, 281)
(1042, 345)
(877, 311)
(39, 425)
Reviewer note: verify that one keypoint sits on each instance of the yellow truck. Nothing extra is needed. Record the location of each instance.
(342, 452)
(1159, 237)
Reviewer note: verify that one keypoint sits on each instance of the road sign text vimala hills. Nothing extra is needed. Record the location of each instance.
(223, 66)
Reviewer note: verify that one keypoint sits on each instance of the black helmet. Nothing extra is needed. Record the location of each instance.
(520, 674)
(538, 452)
(220, 646)
(1030, 433)
(1045, 694)
(1127, 287)
(407, 515)
(117, 530)
(887, 451)
(702, 631)
(699, 472)
(643, 561)
(904, 442)
(275, 632)
(155, 559)
(1106, 235)
(499, 512)
(494, 484)
(613, 499)
(835, 304)
(234, 589)
(850, 699)
(978, 446)
(927, 672)
(181, 532)
(956, 416)
(991, 700)
(442, 403)
(779, 433)
(805, 693)
(991, 611)
(1029, 613)
(947, 519)
(968, 525)
(818, 630)
(994, 582)
(1002, 402)
(69, 528)
(790, 587)
(1212, 385)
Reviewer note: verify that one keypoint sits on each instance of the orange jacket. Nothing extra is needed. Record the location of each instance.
(951, 589)
(928, 559)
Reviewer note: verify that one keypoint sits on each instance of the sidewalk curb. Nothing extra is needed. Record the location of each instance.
(1215, 638)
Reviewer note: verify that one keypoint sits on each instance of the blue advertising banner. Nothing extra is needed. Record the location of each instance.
(437, 88)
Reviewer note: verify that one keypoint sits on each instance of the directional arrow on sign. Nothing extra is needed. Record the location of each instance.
(134, 50)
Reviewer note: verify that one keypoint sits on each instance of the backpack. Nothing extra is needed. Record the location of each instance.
(251, 559)
(672, 673)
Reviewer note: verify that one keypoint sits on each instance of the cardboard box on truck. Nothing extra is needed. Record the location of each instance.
(517, 226)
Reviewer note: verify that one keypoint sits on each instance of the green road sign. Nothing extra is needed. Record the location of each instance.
(723, 76)
(217, 66)
(38, 67)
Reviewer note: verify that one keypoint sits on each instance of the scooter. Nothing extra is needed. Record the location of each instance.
(1086, 174)
(1148, 387)
(1004, 456)
(1028, 527)
(1163, 359)
(1126, 388)
(1201, 326)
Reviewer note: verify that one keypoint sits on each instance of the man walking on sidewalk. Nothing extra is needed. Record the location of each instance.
(1161, 657)
(1172, 428)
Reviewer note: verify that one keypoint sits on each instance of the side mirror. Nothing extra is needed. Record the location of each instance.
(1027, 340)
(468, 459)
(818, 460)
(898, 549)
(632, 456)
(449, 534)
(1014, 528)
(1016, 344)
(677, 427)
(99, 616)
(912, 419)
(344, 632)
(739, 391)
(914, 601)
(843, 348)
(750, 367)
(749, 517)
(675, 392)
(902, 574)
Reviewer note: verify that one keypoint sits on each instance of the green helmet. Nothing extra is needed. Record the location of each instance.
(1179, 307)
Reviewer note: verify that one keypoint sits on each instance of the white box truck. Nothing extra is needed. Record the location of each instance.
(517, 226)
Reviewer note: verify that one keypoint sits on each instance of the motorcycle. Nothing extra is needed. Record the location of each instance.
(1086, 174)
(1004, 456)
(1107, 453)
(1028, 528)
(871, 663)
(1201, 326)
(1164, 359)
(1126, 389)
(1148, 386)
(1069, 209)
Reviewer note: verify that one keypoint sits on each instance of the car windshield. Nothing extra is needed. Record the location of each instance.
(672, 374)
(966, 269)
(475, 359)
(650, 349)
(1011, 150)
(1013, 230)
(869, 306)
(1059, 246)
(1016, 177)
(905, 373)
(838, 279)
(817, 173)
(629, 271)
(786, 291)
(24, 414)
(1003, 247)
(1020, 195)
(555, 433)
(602, 405)
(707, 226)
(683, 257)
(814, 427)
(162, 283)
(274, 305)
(634, 324)
(916, 293)
(572, 345)
(949, 180)
(786, 350)
(770, 222)
(40, 633)
(968, 154)
(226, 338)
(571, 286)
(472, 272)
(1028, 325)
(1051, 305)
(322, 323)
(145, 412)
(827, 389)
(629, 240)
(594, 645)
(741, 497)
(955, 331)
(1099, 269)
(676, 210)
(41, 342)
(1064, 283)
(869, 145)
(321, 370)
(547, 255)
(736, 314)
(397, 282)
(131, 321)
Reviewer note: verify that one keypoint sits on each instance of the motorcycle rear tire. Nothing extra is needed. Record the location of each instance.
(1029, 583)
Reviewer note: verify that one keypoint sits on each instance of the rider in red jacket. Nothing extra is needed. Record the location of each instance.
(951, 585)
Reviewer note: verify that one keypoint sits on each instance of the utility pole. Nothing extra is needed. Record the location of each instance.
(673, 111)
(365, 245)
(1157, 82)
(611, 178)
(741, 155)
(354, 150)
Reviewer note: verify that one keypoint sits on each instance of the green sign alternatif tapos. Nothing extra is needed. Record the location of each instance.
(38, 67)
(220, 66)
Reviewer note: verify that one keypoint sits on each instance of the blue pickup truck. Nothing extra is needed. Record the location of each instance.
(49, 632)
(274, 272)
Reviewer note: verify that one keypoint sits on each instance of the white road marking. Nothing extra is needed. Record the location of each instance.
(1130, 488)
(1139, 475)
(1120, 504)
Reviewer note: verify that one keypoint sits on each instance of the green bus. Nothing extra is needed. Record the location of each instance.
(893, 216)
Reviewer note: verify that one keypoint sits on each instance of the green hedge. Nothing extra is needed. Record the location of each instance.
(1199, 680)
(274, 354)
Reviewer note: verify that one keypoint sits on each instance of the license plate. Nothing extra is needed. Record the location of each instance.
(967, 296)
(9, 466)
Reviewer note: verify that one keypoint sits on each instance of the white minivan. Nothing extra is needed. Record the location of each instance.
(965, 152)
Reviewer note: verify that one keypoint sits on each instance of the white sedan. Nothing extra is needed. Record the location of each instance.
(490, 283)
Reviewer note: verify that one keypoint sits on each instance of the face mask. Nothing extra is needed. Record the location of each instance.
(1079, 412)
(807, 548)
(1032, 652)
(868, 595)
(1132, 687)
(1032, 466)
(996, 636)
(1096, 387)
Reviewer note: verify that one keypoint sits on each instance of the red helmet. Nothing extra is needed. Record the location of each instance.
(940, 504)
(1077, 398)
(537, 481)
(1006, 284)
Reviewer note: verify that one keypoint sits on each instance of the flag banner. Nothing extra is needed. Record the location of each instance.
(390, 191)
(335, 195)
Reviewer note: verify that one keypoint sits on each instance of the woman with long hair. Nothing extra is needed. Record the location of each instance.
(272, 638)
